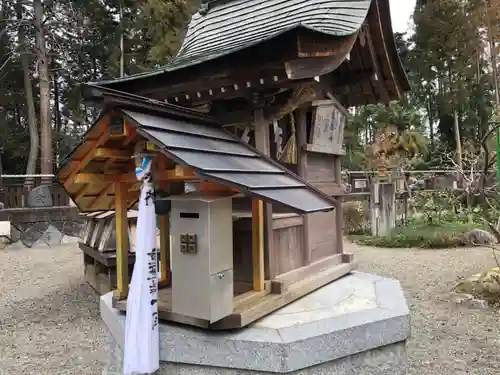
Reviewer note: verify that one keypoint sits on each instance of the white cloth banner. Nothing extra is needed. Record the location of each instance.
(141, 353)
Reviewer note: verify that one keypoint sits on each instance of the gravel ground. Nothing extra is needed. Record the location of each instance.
(49, 319)
(447, 339)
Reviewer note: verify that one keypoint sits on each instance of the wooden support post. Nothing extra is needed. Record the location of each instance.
(122, 245)
(383, 208)
(164, 251)
(339, 215)
(262, 143)
(302, 170)
(258, 245)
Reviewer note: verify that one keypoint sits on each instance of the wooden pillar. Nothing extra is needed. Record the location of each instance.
(262, 143)
(339, 214)
(122, 245)
(258, 244)
(164, 251)
(302, 170)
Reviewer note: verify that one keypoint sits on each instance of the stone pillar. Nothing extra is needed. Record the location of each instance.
(383, 208)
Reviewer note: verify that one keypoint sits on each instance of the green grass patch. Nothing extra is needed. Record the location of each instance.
(427, 236)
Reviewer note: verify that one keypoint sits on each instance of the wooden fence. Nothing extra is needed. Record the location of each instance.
(14, 193)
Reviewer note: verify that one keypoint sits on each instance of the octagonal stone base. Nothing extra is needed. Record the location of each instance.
(358, 324)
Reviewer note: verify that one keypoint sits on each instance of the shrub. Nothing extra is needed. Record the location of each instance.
(423, 235)
(355, 216)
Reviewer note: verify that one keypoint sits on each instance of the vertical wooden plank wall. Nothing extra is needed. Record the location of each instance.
(288, 243)
(320, 164)
(322, 226)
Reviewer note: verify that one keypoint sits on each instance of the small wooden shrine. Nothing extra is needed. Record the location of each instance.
(246, 125)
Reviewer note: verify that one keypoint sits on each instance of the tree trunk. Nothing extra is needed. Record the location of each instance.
(57, 115)
(457, 139)
(493, 55)
(45, 114)
(122, 44)
(431, 121)
(30, 103)
(470, 200)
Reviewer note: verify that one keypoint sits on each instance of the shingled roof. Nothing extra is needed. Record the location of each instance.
(191, 140)
(224, 27)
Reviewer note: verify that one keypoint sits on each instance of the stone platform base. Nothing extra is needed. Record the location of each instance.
(356, 325)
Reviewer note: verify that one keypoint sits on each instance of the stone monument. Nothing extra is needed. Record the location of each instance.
(40, 197)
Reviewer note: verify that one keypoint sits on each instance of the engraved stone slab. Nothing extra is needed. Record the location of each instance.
(40, 197)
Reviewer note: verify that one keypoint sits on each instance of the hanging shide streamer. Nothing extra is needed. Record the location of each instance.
(141, 352)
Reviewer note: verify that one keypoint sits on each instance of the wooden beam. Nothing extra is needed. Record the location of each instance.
(112, 153)
(213, 187)
(108, 164)
(320, 149)
(338, 84)
(246, 313)
(288, 222)
(236, 89)
(103, 137)
(221, 76)
(177, 174)
(180, 172)
(258, 245)
(164, 251)
(379, 33)
(131, 136)
(102, 195)
(313, 63)
(377, 79)
(97, 178)
(122, 245)
(81, 193)
(312, 44)
(282, 282)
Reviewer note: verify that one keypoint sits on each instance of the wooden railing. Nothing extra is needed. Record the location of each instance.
(14, 193)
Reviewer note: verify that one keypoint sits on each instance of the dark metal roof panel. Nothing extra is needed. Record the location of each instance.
(187, 141)
(222, 162)
(180, 126)
(242, 23)
(217, 155)
(236, 25)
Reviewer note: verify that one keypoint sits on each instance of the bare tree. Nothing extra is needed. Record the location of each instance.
(30, 102)
(43, 73)
(472, 176)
